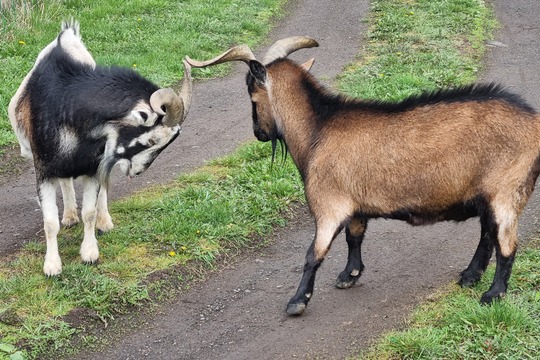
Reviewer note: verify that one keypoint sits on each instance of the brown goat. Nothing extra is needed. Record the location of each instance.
(447, 155)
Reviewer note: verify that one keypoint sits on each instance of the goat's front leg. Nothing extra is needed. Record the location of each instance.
(326, 232)
(355, 232)
(104, 221)
(89, 247)
(47, 197)
(69, 217)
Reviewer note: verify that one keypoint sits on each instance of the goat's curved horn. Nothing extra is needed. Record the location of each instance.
(187, 90)
(176, 107)
(237, 53)
(284, 47)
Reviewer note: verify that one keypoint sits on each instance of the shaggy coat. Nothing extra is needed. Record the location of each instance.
(74, 118)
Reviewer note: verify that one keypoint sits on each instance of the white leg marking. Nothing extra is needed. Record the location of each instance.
(51, 225)
(70, 216)
(104, 220)
(355, 272)
(89, 247)
(506, 218)
(323, 238)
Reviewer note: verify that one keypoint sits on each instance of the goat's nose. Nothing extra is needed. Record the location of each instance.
(261, 136)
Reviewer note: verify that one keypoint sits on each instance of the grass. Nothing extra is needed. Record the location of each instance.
(453, 325)
(151, 36)
(230, 204)
(419, 45)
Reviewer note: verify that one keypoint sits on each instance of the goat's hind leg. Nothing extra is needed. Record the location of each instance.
(355, 232)
(473, 273)
(505, 249)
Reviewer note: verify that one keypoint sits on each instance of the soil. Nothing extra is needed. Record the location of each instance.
(238, 312)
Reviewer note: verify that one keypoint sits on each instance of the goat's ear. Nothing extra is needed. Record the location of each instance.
(308, 64)
(257, 70)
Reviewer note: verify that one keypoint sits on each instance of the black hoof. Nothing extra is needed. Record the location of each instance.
(346, 283)
(296, 308)
(346, 280)
(488, 298)
(91, 263)
(469, 278)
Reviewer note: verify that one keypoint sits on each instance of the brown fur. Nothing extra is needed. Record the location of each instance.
(449, 155)
(24, 117)
(427, 158)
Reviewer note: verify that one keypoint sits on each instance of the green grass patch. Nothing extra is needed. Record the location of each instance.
(415, 45)
(151, 36)
(227, 205)
(455, 326)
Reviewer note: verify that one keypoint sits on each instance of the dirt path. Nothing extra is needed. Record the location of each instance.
(239, 312)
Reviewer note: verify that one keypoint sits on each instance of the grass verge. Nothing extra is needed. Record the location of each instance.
(419, 45)
(453, 325)
(151, 36)
(230, 204)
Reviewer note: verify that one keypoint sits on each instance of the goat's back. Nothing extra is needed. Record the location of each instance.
(428, 157)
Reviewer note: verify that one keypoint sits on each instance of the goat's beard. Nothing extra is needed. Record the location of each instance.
(284, 150)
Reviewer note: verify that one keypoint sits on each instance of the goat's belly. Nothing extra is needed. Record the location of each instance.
(458, 212)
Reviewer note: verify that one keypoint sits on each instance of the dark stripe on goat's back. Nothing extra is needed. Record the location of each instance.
(326, 103)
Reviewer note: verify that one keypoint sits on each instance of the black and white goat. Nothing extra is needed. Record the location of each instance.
(448, 155)
(75, 118)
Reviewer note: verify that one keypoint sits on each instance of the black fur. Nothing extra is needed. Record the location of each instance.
(66, 94)
(326, 104)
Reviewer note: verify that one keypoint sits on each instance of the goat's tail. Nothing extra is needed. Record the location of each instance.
(70, 41)
(72, 25)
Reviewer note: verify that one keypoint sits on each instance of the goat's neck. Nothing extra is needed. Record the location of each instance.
(296, 123)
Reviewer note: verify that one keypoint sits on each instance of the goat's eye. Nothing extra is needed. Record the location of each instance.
(152, 141)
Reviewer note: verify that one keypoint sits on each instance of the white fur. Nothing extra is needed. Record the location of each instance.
(157, 138)
(506, 218)
(68, 140)
(53, 264)
(104, 220)
(69, 216)
(89, 247)
(136, 117)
